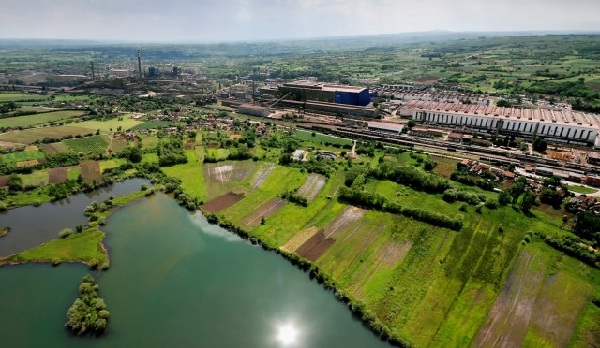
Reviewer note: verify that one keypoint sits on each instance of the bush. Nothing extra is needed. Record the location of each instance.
(65, 233)
(491, 203)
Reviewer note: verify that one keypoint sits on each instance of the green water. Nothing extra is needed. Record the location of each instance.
(176, 281)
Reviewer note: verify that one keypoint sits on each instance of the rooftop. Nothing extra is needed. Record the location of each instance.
(569, 117)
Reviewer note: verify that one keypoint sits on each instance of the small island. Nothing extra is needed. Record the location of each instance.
(4, 231)
(88, 314)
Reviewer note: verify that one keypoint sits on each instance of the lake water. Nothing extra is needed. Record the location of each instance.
(176, 281)
(31, 226)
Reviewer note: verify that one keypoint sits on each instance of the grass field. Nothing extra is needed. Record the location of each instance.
(93, 144)
(38, 177)
(14, 157)
(6, 97)
(29, 136)
(43, 118)
(151, 125)
(149, 142)
(584, 190)
(321, 138)
(191, 174)
(110, 125)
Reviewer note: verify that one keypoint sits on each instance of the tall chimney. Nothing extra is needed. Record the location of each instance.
(140, 64)
(93, 72)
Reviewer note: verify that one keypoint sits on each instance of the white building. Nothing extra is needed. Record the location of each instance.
(555, 125)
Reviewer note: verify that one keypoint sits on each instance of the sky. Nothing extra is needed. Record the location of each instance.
(243, 20)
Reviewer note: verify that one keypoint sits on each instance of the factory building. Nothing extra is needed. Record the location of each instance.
(313, 91)
(254, 110)
(555, 125)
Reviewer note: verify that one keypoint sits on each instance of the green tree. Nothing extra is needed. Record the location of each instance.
(527, 202)
(539, 144)
(15, 183)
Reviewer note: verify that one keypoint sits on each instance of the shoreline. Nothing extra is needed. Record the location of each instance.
(356, 307)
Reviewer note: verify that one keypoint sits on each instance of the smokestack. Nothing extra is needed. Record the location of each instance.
(140, 64)
(93, 72)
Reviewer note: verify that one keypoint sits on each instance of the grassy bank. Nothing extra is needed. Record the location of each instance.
(85, 246)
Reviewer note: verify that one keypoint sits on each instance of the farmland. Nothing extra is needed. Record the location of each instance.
(14, 157)
(7, 97)
(41, 118)
(113, 125)
(151, 125)
(94, 144)
(29, 136)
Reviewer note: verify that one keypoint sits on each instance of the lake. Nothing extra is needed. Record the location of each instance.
(177, 281)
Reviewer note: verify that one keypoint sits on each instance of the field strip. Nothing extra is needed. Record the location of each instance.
(267, 209)
(299, 238)
(392, 253)
(349, 216)
(261, 175)
(509, 318)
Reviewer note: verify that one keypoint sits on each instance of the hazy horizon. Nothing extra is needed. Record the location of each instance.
(189, 21)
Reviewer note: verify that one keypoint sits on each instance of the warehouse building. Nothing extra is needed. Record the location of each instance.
(555, 125)
(254, 110)
(312, 91)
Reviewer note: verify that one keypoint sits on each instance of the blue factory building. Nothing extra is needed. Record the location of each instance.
(312, 91)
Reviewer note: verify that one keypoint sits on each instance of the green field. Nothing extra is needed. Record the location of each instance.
(110, 125)
(584, 190)
(7, 97)
(94, 144)
(42, 118)
(149, 142)
(14, 157)
(29, 136)
(191, 174)
(321, 138)
(151, 125)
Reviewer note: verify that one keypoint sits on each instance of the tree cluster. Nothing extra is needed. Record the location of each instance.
(170, 152)
(376, 201)
(88, 314)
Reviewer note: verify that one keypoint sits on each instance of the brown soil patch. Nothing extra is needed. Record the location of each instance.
(90, 171)
(299, 238)
(4, 180)
(445, 166)
(31, 148)
(312, 186)
(262, 175)
(509, 318)
(315, 246)
(348, 217)
(29, 163)
(57, 175)
(8, 145)
(55, 148)
(267, 209)
(222, 202)
(565, 156)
